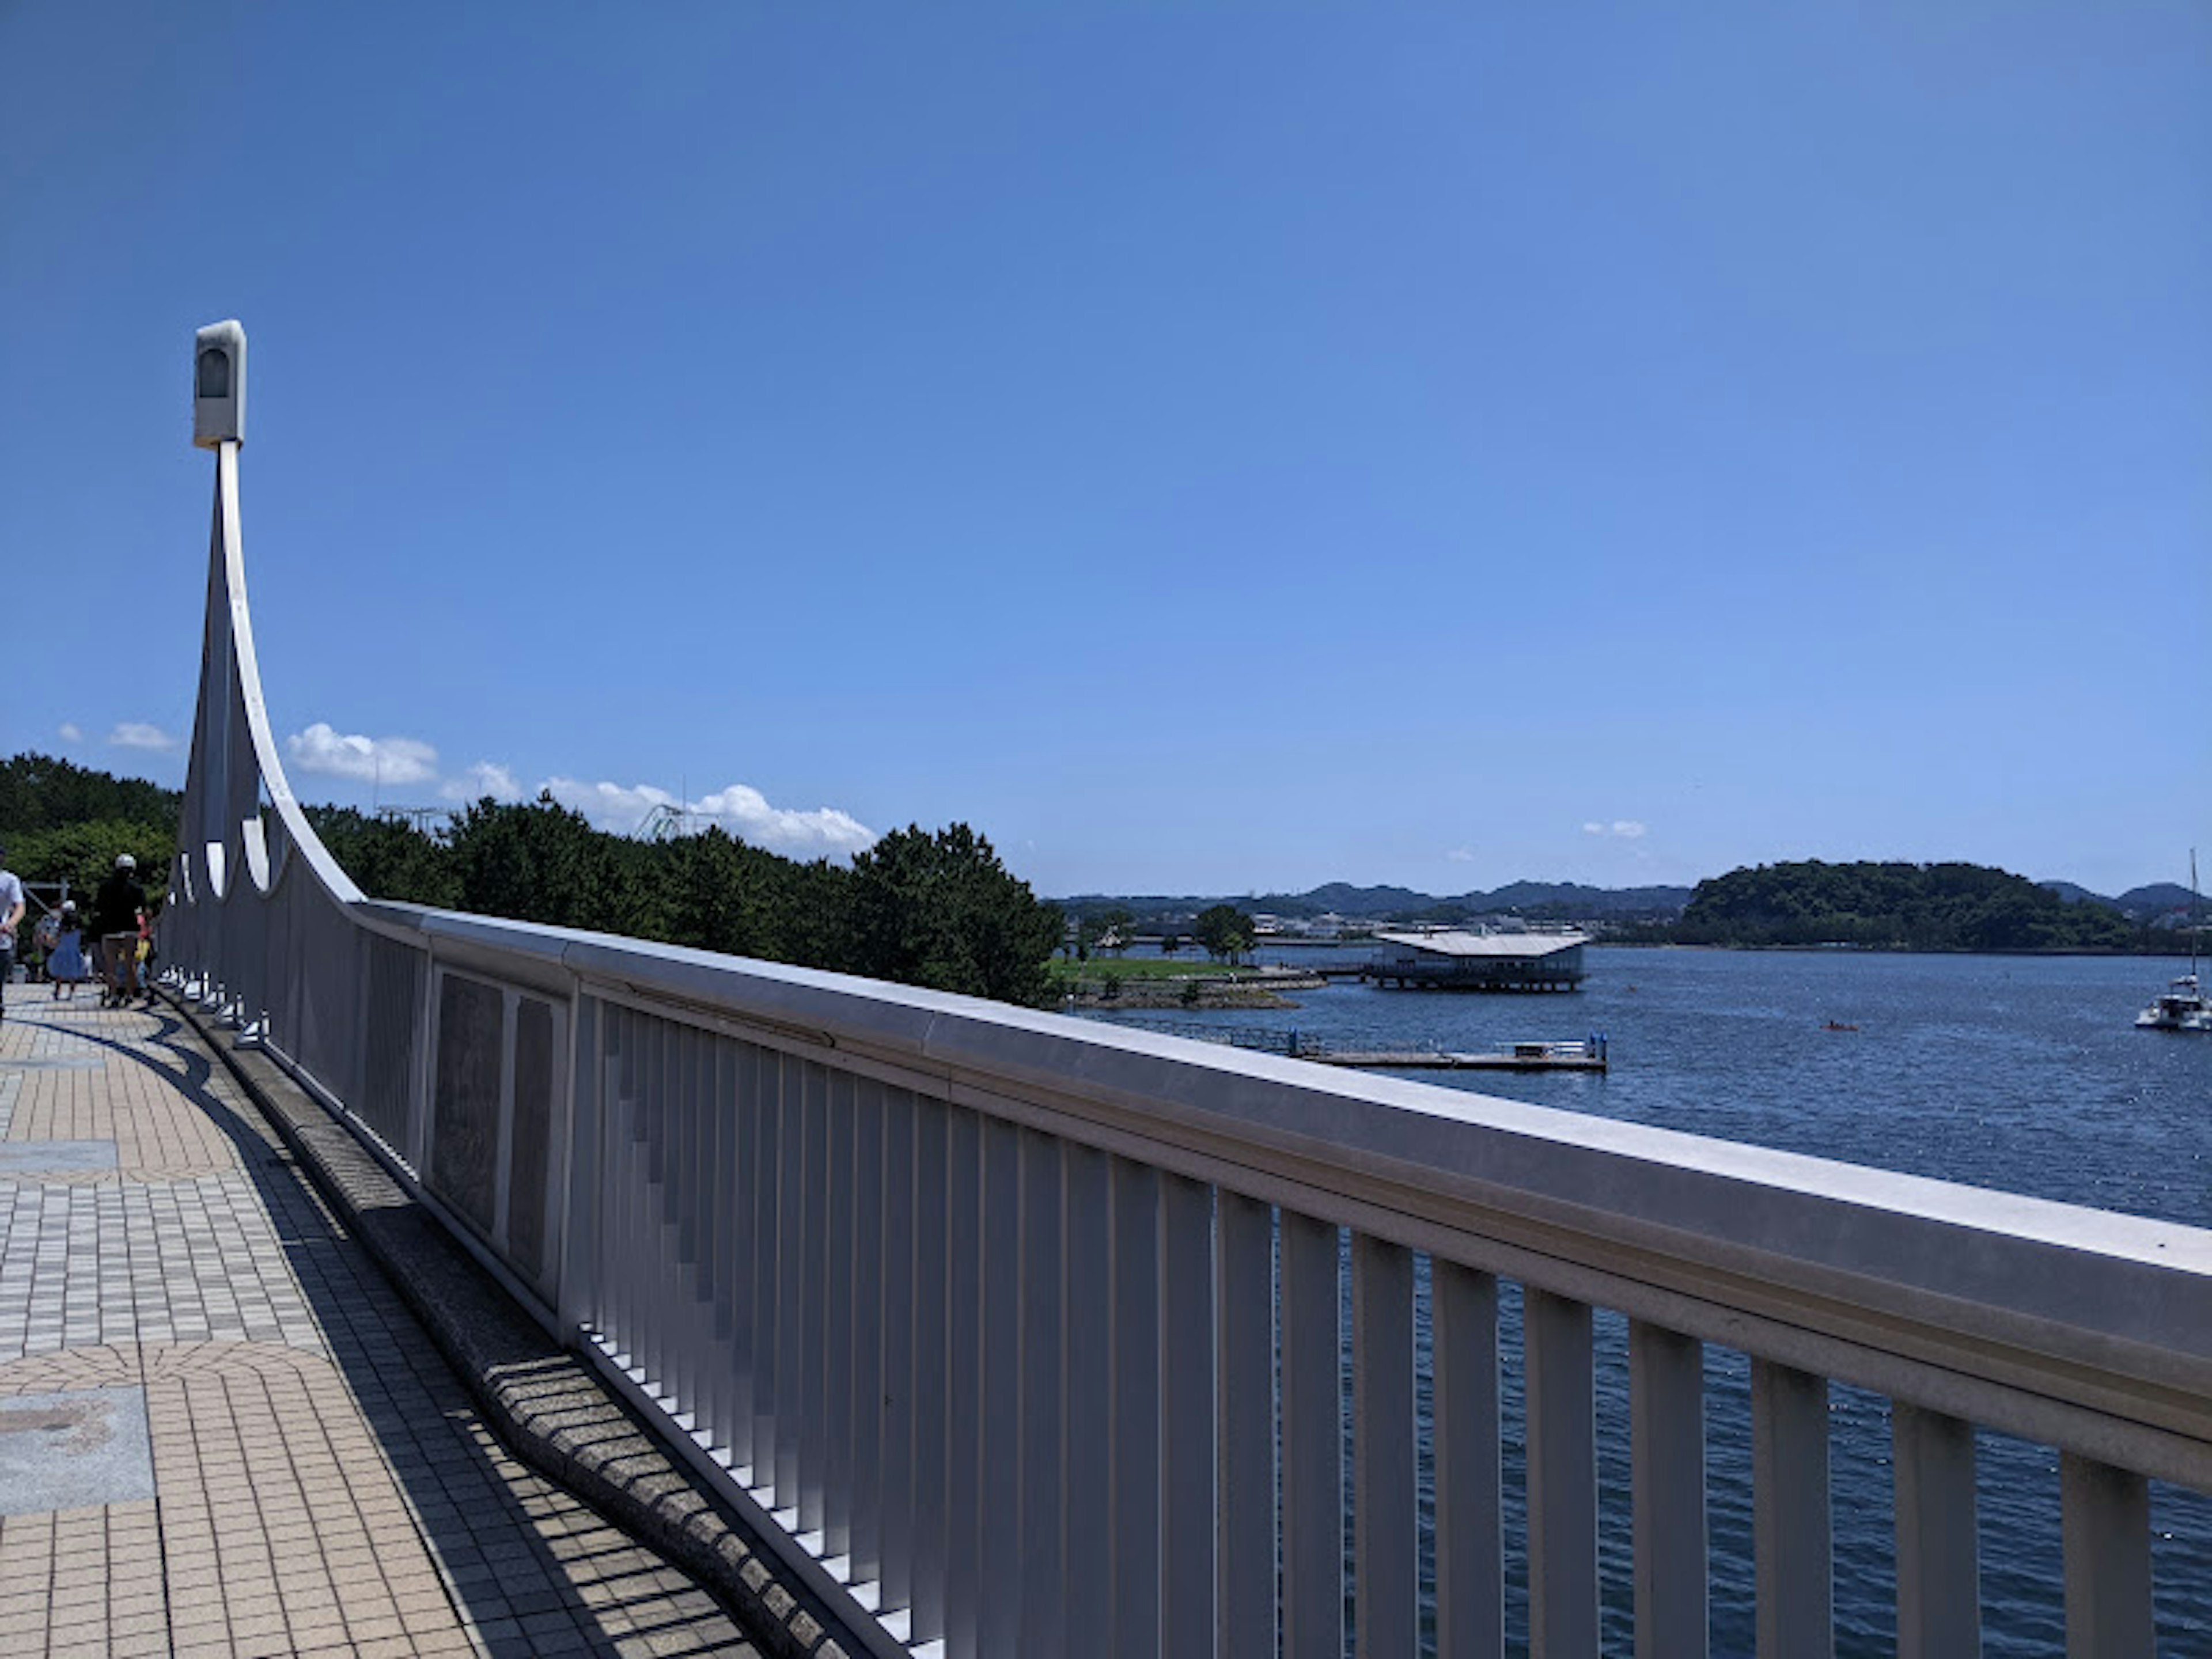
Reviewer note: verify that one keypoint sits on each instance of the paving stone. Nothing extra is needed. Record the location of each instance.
(313, 1460)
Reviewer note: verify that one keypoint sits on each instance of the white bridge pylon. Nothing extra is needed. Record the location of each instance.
(241, 829)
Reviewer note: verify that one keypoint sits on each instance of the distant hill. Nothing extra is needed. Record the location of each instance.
(2159, 898)
(2074, 894)
(2162, 903)
(1569, 898)
(1539, 900)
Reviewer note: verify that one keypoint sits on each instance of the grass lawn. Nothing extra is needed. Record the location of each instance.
(1190, 965)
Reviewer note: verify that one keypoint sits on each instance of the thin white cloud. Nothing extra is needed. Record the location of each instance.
(138, 734)
(484, 778)
(1626, 829)
(72, 732)
(740, 808)
(1593, 828)
(388, 761)
(1460, 855)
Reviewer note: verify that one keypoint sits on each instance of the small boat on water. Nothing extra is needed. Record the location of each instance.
(2183, 1006)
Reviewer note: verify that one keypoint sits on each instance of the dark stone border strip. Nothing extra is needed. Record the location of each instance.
(546, 1405)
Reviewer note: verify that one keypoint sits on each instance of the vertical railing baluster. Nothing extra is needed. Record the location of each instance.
(813, 1302)
(838, 1281)
(790, 1279)
(1667, 1485)
(682, 1186)
(1939, 1610)
(1794, 1565)
(768, 1264)
(1384, 1550)
(1136, 1408)
(1245, 1302)
(929, 1367)
(1313, 1438)
(1187, 1419)
(1042, 1562)
(745, 1244)
(732, 1415)
(652, 1241)
(999, 1628)
(1562, 1601)
(868, 1313)
(1470, 1539)
(2105, 1526)
(895, 1407)
(965, 1425)
(1086, 1496)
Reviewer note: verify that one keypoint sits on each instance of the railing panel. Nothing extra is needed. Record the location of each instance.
(931, 1368)
(1312, 1438)
(914, 1223)
(1789, 1514)
(1188, 1523)
(768, 1187)
(1138, 1441)
(867, 1315)
(1470, 1533)
(965, 1423)
(1667, 1431)
(1939, 1612)
(1244, 1345)
(2104, 1515)
(840, 1190)
(1563, 1593)
(1086, 1496)
(1384, 1548)
(998, 1627)
(1041, 1562)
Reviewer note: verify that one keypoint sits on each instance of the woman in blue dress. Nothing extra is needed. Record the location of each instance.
(66, 964)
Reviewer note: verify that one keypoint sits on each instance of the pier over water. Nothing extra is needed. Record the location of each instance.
(1019, 1335)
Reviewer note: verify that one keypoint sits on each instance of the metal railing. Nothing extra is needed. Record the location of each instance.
(1024, 1333)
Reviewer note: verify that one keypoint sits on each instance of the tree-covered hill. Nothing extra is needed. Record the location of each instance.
(1914, 907)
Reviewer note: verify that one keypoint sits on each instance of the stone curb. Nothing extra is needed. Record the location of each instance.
(546, 1405)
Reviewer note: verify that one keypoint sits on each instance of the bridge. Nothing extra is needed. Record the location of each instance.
(1016, 1334)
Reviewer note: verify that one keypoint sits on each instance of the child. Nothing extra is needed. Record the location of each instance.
(65, 964)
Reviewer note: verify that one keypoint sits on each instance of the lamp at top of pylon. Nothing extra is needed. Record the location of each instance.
(219, 385)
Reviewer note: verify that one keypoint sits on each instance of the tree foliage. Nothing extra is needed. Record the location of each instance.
(82, 854)
(940, 910)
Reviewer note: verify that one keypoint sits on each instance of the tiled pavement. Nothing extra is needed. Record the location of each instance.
(220, 1430)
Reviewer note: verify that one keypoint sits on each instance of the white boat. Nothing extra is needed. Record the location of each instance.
(2184, 1006)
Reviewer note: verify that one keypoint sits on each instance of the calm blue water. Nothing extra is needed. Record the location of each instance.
(2020, 1073)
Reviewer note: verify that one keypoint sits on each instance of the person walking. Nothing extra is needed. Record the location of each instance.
(11, 916)
(65, 963)
(117, 910)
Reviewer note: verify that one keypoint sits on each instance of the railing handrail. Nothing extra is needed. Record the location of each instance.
(2088, 1328)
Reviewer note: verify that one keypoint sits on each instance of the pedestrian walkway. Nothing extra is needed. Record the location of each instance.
(221, 1432)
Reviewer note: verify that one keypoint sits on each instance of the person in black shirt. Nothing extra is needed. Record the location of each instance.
(117, 910)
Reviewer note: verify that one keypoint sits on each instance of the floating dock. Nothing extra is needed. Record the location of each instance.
(1588, 1056)
(1519, 1057)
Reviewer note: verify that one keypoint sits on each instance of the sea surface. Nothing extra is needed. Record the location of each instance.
(2022, 1073)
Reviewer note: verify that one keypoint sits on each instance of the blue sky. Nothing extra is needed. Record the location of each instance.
(1208, 447)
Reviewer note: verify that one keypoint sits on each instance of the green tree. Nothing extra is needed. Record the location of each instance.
(544, 862)
(940, 910)
(1225, 932)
